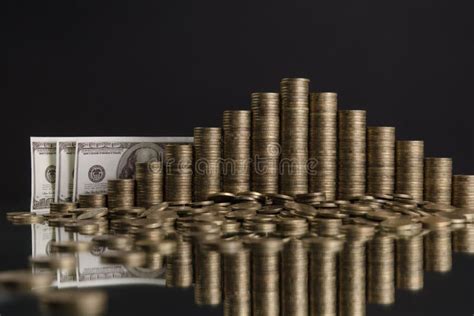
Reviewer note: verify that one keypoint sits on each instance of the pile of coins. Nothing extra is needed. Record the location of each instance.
(265, 141)
(380, 160)
(323, 144)
(179, 173)
(149, 179)
(438, 178)
(294, 136)
(63, 207)
(409, 162)
(92, 200)
(236, 151)
(463, 191)
(207, 162)
(121, 193)
(262, 243)
(352, 155)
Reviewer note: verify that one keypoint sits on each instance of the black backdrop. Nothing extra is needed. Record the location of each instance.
(160, 68)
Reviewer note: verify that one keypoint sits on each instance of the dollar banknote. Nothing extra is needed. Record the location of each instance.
(43, 172)
(65, 158)
(99, 159)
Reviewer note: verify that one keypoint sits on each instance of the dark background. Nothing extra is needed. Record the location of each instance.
(159, 68)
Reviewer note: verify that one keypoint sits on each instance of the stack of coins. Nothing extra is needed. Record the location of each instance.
(352, 155)
(62, 207)
(380, 160)
(381, 270)
(236, 151)
(294, 267)
(207, 162)
(92, 200)
(409, 172)
(149, 177)
(121, 193)
(294, 136)
(463, 191)
(438, 176)
(323, 275)
(323, 144)
(179, 173)
(265, 142)
(265, 276)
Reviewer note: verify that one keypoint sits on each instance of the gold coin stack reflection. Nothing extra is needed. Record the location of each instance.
(236, 151)
(323, 275)
(149, 182)
(179, 266)
(409, 174)
(463, 239)
(323, 144)
(438, 243)
(463, 191)
(352, 270)
(265, 276)
(236, 278)
(381, 270)
(380, 160)
(438, 178)
(351, 144)
(294, 267)
(409, 253)
(207, 162)
(265, 141)
(207, 287)
(294, 136)
(179, 173)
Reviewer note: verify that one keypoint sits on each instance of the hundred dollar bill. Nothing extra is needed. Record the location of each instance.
(65, 158)
(43, 172)
(100, 159)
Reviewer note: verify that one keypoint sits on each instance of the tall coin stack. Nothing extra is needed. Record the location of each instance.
(323, 144)
(207, 160)
(149, 181)
(236, 152)
(381, 270)
(463, 191)
(121, 193)
(352, 155)
(179, 173)
(265, 141)
(409, 172)
(294, 136)
(438, 176)
(380, 160)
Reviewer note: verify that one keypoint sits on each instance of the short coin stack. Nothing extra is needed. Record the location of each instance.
(92, 200)
(352, 155)
(207, 162)
(323, 144)
(409, 172)
(121, 193)
(438, 178)
(463, 191)
(179, 173)
(380, 160)
(265, 141)
(236, 151)
(149, 177)
(294, 136)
